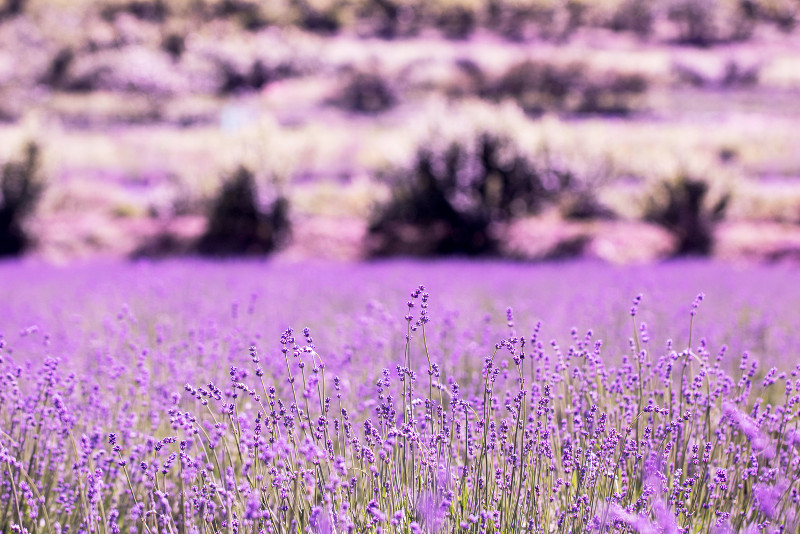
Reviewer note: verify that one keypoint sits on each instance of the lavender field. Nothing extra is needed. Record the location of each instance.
(190, 396)
(399, 266)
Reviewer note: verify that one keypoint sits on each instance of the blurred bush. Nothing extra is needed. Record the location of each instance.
(366, 91)
(12, 8)
(57, 72)
(174, 44)
(706, 22)
(254, 77)
(782, 13)
(456, 19)
(246, 13)
(739, 75)
(637, 16)
(611, 93)
(389, 19)
(455, 192)
(521, 21)
(540, 86)
(150, 10)
(21, 187)
(247, 64)
(319, 16)
(237, 223)
(684, 208)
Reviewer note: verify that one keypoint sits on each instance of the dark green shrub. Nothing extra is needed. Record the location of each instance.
(174, 44)
(448, 201)
(246, 13)
(13, 8)
(150, 10)
(389, 19)
(610, 93)
(20, 190)
(738, 75)
(237, 225)
(366, 92)
(252, 77)
(782, 14)
(317, 20)
(706, 22)
(693, 19)
(634, 16)
(683, 209)
(540, 86)
(457, 22)
(520, 22)
(57, 71)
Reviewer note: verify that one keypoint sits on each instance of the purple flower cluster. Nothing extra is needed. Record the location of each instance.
(198, 423)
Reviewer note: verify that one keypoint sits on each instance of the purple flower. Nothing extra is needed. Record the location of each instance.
(696, 304)
(768, 496)
(639, 522)
(746, 424)
(430, 511)
(252, 509)
(665, 519)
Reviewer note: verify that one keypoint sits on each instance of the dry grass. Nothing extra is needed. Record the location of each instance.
(156, 137)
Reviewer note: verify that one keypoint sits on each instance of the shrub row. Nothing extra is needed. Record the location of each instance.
(544, 86)
(454, 198)
(696, 22)
(537, 86)
(455, 195)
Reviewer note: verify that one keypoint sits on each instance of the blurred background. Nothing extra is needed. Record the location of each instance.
(622, 130)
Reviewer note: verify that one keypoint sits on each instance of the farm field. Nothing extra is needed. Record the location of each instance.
(399, 266)
(249, 396)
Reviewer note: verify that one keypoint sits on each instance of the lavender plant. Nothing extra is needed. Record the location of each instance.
(522, 436)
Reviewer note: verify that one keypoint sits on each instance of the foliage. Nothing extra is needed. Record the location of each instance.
(150, 10)
(318, 20)
(696, 22)
(521, 21)
(367, 92)
(706, 22)
(453, 194)
(457, 21)
(174, 44)
(21, 187)
(389, 19)
(57, 72)
(238, 226)
(682, 207)
(12, 8)
(541, 86)
(636, 16)
(246, 12)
